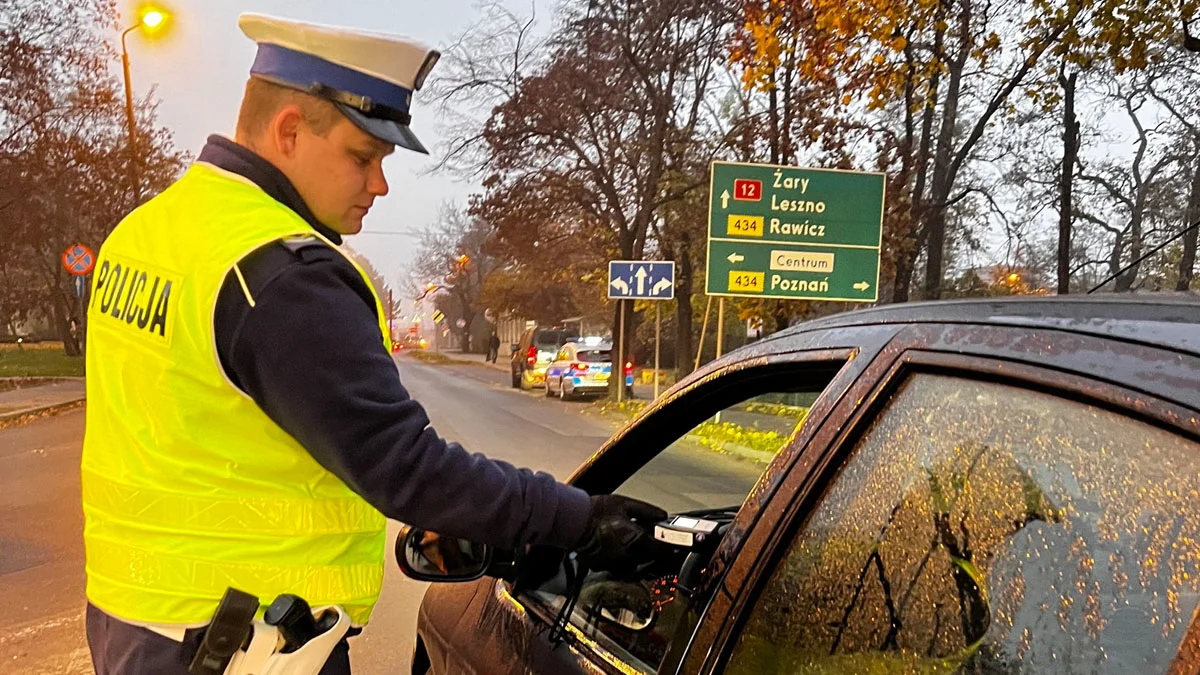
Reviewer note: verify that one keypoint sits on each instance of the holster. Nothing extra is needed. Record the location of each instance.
(262, 656)
(235, 643)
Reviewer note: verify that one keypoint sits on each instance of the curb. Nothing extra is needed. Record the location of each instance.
(19, 417)
(23, 381)
(451, 361)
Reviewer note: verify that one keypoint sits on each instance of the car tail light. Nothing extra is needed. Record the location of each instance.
(531, 358)
(579, 367)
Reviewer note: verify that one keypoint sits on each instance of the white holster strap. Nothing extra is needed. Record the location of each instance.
(263, 657)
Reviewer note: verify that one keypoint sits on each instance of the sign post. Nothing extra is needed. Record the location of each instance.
(620, 365)
(794, 234)
(657, 342)
(639, 280)
(79, 260)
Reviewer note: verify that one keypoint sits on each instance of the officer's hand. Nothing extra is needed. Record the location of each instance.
(619, 535)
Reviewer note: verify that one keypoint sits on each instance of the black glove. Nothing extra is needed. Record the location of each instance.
(618, 535)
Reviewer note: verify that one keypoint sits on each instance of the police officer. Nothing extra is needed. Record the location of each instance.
(246, 426)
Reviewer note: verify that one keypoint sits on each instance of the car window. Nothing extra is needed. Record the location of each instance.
(978, 527)
(707, 473)
(715, 465)
(593, 356)
(550, 340)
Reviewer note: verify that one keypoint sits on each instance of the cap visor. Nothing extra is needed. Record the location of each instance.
(385, 130)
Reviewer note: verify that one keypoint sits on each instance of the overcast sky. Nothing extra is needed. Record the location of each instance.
(199, 67)
(198, 70)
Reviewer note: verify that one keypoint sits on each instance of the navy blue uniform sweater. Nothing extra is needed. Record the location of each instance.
(310, 354)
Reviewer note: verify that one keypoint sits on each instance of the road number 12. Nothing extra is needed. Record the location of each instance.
(747, 190)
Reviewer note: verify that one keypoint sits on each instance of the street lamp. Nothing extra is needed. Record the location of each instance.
(429, 289)
(151, 20)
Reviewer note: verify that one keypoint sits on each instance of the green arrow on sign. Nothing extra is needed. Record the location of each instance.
(735, 258)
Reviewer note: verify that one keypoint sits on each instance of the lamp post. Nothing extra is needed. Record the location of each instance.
(431, 287)
(150, 20)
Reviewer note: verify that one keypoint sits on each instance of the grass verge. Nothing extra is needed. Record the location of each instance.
(429, 357)
(728, 438)
(42, 359)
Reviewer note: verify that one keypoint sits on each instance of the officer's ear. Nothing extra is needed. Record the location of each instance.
(285, 127)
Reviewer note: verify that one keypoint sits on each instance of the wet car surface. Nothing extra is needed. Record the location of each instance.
(974, 487)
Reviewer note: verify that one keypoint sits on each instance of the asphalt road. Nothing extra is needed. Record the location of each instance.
(41, 556)
(41, 548)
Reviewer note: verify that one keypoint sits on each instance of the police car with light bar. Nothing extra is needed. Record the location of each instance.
(582, 368)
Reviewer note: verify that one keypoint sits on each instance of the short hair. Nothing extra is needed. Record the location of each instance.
(263, 99)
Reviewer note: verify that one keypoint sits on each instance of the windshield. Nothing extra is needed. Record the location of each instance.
(551, 340)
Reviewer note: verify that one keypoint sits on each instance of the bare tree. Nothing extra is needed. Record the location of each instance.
(480, 70)
(1132, 193)
(597, 129)
(1174, 90)
(455, 256)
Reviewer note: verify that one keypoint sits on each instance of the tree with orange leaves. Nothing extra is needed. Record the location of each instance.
(931, 79)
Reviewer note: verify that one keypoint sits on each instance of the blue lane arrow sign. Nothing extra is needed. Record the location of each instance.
(641, 280)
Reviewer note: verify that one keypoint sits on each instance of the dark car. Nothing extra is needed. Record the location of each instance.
(955, 487)
(534, 352)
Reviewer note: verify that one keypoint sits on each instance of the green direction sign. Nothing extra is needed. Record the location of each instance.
(796, 234)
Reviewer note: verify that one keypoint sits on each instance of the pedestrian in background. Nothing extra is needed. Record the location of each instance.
(493, 347)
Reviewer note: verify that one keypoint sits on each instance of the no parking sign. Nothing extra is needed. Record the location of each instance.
(79, 259)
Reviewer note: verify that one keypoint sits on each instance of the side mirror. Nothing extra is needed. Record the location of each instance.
(428, 556)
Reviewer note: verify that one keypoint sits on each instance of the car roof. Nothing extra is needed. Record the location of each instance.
(605, 344)
(1164, 320)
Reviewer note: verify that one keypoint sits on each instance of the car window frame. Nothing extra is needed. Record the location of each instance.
(911, 354)
(842, 366)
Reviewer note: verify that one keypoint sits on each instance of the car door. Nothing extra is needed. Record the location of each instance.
(554, 372)
(1010, 500)
(684, 457)
(518, 359)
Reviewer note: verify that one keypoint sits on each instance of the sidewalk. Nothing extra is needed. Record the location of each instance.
(501, 363)
(30, 396)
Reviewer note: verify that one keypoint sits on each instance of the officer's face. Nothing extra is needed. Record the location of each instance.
(339, 174)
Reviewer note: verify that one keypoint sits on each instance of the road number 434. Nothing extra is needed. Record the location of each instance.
(746, 282)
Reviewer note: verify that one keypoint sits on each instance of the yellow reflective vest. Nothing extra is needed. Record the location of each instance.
(188, 487)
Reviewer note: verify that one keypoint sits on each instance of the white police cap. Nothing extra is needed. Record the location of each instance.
(369, 76)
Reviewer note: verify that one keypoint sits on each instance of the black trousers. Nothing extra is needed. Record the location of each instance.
(121, 649)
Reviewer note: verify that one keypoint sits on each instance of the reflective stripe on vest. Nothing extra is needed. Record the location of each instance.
(188, 487)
